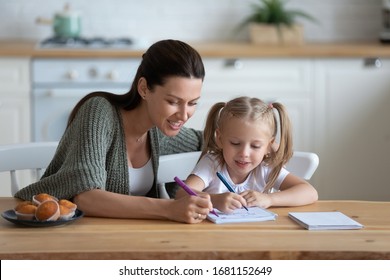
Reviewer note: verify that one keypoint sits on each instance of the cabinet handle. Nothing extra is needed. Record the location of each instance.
(234, 63)
(372, 62)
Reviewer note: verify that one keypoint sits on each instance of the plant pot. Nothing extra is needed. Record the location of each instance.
(267, 34)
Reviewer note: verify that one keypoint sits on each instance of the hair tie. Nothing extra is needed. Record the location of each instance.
(270, 105)
(219, 112)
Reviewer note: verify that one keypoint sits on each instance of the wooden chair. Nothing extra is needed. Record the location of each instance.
(34, 156)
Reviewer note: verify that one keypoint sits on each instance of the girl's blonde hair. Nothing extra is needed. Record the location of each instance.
(252, 109)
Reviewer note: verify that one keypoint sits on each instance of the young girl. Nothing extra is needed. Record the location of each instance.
(239, 142)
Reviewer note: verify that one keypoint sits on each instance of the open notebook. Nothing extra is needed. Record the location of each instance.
(254, 214)
(324, 220)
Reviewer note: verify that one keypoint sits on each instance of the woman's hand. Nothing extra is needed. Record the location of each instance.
(227, 202)
(255, 198)
(191, 209)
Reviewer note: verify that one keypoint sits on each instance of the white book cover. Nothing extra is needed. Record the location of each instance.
(254, 214)
(324, 220)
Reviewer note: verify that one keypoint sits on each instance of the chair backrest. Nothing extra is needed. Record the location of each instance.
(303, 164)
(37, 155)
(34, 156)
(179, 165)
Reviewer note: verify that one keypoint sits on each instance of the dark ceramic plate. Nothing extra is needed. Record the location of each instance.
(10, 215)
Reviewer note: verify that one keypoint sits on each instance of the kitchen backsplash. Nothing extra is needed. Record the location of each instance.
(190, 20)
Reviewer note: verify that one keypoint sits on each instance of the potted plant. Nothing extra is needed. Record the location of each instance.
(272, 23)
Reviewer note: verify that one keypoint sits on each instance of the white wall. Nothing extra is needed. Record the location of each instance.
(190, 20)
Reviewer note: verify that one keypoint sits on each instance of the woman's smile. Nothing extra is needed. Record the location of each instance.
(175, 125)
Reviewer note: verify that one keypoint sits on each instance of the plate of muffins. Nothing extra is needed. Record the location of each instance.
(43, 210)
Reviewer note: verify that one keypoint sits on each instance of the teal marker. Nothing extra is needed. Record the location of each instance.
(227, 185)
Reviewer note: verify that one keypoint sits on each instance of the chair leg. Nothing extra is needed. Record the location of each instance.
(14, 183)
(163, 191)
(38, 174)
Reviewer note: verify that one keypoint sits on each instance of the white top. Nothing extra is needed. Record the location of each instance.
(141, 179)
(208, 166)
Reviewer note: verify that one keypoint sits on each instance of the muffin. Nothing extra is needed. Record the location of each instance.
(25, 211)
(21, 204)
(48, 210)
(39, 198)
(68, 204)
(66, 213)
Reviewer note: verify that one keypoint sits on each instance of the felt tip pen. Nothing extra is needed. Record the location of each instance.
(228, 186)
(188, 190)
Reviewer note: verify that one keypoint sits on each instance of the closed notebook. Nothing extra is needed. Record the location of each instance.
(324, 220)
(255, 214)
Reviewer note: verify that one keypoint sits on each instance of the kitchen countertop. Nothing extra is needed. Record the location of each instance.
(210, 49)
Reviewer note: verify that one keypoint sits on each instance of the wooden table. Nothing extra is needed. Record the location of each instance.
(98, 238)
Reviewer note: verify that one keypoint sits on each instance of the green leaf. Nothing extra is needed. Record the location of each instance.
(274, 12)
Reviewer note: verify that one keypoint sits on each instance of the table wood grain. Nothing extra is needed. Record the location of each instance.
(283, 239)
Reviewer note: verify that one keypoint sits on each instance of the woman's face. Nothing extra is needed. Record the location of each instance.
(171, 105)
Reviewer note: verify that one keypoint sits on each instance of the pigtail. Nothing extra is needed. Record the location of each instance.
(209, 141)
(278, 158)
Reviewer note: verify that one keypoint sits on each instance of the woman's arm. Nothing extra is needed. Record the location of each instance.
(101, 203)
(225, 202)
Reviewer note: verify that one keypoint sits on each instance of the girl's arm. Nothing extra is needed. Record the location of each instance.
(101, 203)
(294, 191)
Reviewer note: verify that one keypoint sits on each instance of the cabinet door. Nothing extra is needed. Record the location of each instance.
(288, 81)
(14, 111)
(14, 100)
(14, 77)
(353, 129)
(14, 120)
(15, 128)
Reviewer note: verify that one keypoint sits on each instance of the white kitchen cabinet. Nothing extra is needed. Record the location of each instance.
(288, 81)
(352, 131)
(14, 109)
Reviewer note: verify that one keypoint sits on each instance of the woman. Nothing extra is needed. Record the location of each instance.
(111, 140)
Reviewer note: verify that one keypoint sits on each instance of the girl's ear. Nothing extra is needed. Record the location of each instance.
(272, 146)
(142, 87)
(218, 136)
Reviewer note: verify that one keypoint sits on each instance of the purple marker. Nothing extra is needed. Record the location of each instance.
(189, 191)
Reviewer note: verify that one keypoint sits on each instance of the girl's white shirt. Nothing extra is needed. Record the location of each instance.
(208, 165)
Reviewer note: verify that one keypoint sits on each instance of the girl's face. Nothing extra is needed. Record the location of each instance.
(171, 105)
(244, 144)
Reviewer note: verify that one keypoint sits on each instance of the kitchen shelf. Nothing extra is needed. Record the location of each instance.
(212, 49)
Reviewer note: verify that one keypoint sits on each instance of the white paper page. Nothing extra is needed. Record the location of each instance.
(325, 220)
(242, 215)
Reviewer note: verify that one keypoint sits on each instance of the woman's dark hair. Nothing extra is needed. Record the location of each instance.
(163, 59)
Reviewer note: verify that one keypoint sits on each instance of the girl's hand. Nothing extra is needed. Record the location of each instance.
(191, 209)
(227, 202)
(255, 198)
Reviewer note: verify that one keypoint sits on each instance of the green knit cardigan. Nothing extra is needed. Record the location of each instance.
(92, 154)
